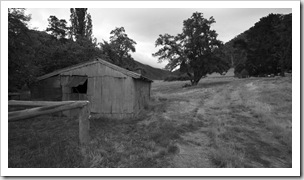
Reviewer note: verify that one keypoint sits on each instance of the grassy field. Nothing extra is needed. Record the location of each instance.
(222, 122)
(43, 142)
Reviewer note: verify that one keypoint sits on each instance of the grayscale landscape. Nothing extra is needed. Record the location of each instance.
(193, 89)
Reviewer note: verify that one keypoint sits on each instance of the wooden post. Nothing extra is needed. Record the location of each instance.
(84, 125)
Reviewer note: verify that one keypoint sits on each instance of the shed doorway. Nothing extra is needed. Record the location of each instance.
(78, 86)
(81, 88)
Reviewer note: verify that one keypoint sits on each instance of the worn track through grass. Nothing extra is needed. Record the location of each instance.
(242, 123)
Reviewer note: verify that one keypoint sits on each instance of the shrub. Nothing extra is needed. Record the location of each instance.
(244, 73)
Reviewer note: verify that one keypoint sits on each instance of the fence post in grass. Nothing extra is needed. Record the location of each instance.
(84, 125)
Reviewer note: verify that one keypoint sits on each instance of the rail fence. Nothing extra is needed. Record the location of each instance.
(39, 108)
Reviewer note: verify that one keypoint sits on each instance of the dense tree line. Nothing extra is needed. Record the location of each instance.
(33, 53)
(264, 49)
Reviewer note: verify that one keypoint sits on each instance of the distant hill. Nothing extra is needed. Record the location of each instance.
(153, 73)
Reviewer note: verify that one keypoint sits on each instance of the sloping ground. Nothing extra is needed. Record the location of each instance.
(221, 122)
(240, 123)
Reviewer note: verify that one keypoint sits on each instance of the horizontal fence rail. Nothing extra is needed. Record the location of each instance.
(49, 107)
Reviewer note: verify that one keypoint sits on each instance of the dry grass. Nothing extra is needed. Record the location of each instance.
(222, 122)
(144, 142)
(256, 129)
(44, 142)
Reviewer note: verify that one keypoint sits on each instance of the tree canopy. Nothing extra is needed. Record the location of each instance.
(196, 50)
(81, 23)
(19, 46)
(263, 49)
(269, 45)
(121, 43)
(119, 48)
(33, 53)
(58, 28)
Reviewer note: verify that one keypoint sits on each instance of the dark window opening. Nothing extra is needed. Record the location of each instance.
(81, 89)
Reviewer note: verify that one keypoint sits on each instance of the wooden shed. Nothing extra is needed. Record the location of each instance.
(112, 91)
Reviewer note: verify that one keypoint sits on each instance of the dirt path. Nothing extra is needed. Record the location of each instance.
(193, 148)
(193, 105)
(237, 128)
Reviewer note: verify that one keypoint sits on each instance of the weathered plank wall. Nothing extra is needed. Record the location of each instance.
(117, 95)
(110, 92)
(142, 94)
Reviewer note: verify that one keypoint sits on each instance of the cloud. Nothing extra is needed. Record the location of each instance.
(40, 16)
(143, 54)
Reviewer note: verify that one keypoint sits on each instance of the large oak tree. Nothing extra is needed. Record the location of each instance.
(195, 50)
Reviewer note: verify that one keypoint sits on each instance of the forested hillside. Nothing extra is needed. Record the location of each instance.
(264, 49)
(33, 53)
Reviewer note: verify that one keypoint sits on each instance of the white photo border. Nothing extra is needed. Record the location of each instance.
(294, 171)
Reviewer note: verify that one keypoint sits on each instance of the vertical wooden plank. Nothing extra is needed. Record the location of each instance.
(95, 93)
(132, 92)
(65, 90)
(99, 101)
(106, 103)
(117, 95)
(101, 70)
(92, 93)
(136, 97)
(90, 86)
(84, 125)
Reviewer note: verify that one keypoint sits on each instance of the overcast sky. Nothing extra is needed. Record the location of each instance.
(145, 25)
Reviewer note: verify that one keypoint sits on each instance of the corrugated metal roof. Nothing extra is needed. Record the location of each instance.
(98, 60)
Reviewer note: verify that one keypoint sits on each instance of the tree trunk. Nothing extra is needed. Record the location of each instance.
(196, 78)
(194, 83)
(282, 73)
